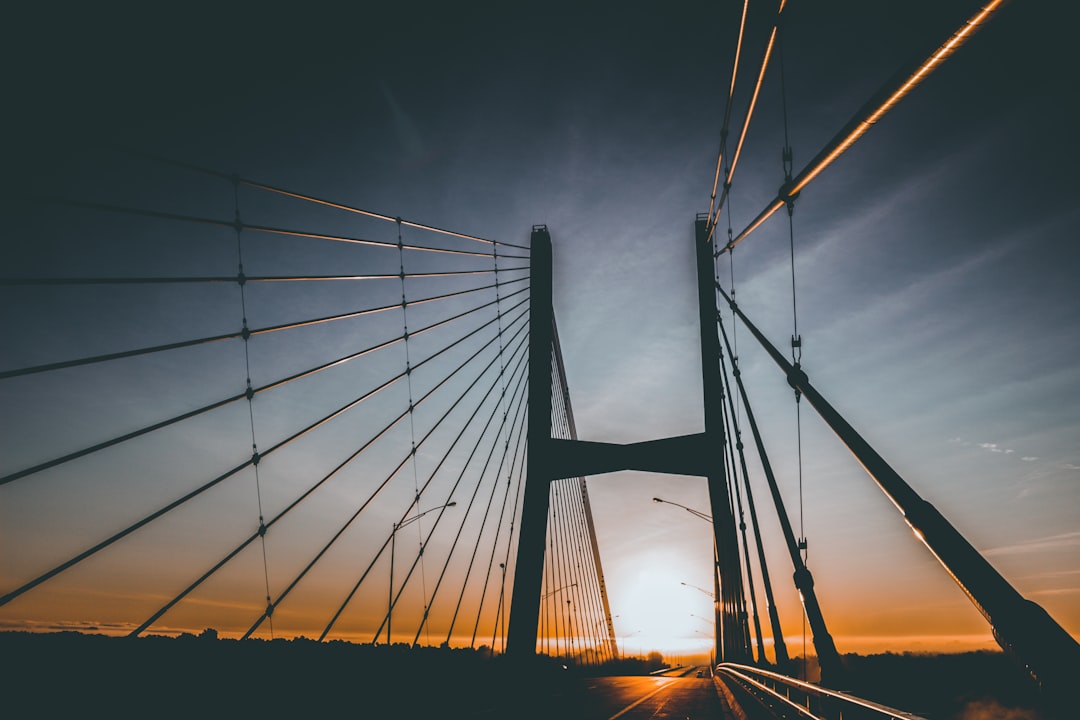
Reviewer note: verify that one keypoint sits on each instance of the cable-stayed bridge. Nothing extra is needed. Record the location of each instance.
(291, 415)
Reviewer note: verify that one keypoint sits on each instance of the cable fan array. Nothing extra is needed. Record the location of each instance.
(286, 416)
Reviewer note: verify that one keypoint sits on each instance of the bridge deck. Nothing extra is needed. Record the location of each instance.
(680, 694)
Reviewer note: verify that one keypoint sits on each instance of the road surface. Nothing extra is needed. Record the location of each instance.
(677, 697)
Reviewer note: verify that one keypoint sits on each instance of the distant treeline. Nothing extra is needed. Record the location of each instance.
(69, 674)
(980, 685)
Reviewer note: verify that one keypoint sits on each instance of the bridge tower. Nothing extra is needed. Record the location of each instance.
(551, 459)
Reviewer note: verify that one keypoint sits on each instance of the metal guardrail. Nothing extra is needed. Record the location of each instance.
(787, 697)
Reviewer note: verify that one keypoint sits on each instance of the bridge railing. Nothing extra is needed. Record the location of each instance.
(790, 698)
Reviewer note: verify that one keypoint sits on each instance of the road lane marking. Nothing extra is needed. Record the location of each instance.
(637, 702)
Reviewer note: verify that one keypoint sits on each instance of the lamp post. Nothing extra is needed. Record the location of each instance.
(701, 590)
(716, 569)
(622, 653)
(393, 542)
(502, 609)
(547, 595)
(692, 511)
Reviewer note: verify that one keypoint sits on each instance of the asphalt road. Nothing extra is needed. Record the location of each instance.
(678, 695)
(641, 698)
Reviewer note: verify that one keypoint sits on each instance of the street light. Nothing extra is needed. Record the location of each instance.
(716, 568)
(546, 596)
(393, 542)
(695, 513)
(622, 653)
(701, 590)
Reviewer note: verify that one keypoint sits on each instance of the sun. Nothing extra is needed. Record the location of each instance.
(657, 610)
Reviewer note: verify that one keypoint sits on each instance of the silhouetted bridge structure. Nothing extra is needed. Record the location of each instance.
(443, 417)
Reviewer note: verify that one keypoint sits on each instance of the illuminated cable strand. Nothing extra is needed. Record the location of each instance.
(413, 504)
(378, 554)
(522, 444)
(309, 198)
(550, 619)
(596, 610)
(502, 589)
(519, 364)
(517, 392)
(873, 110)
(746, 120)
(234, 278)
(192, 494)
(431, 477)
(573, 540)
(153, 618)
(501, 427)
(574, 592)
(255, 391)
(591, 613)
(269, 229)
(582, 495)
(724, 127)
(828, 655)
(555, 556)
(197, 341)
(523, 436)
(519, 491)
(779, 646)
(558, 572)
(562, 506)
(733, 472)
(385, 482)
(739, 591)
(517, 424)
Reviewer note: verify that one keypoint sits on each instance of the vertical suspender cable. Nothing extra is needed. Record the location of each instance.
(250, 393)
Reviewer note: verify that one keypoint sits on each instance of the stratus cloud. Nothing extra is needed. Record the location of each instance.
(1052, 542)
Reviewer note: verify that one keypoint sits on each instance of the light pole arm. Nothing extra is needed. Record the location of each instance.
(692, 511)
(700, 590)
(414, 518)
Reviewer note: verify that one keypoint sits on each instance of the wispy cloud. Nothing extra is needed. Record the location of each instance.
(1056, 591)
(1052, 542)
(86, 626)
(991, 447)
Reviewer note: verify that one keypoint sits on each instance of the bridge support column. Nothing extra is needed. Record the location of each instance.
(731, 624)
(529, 568)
